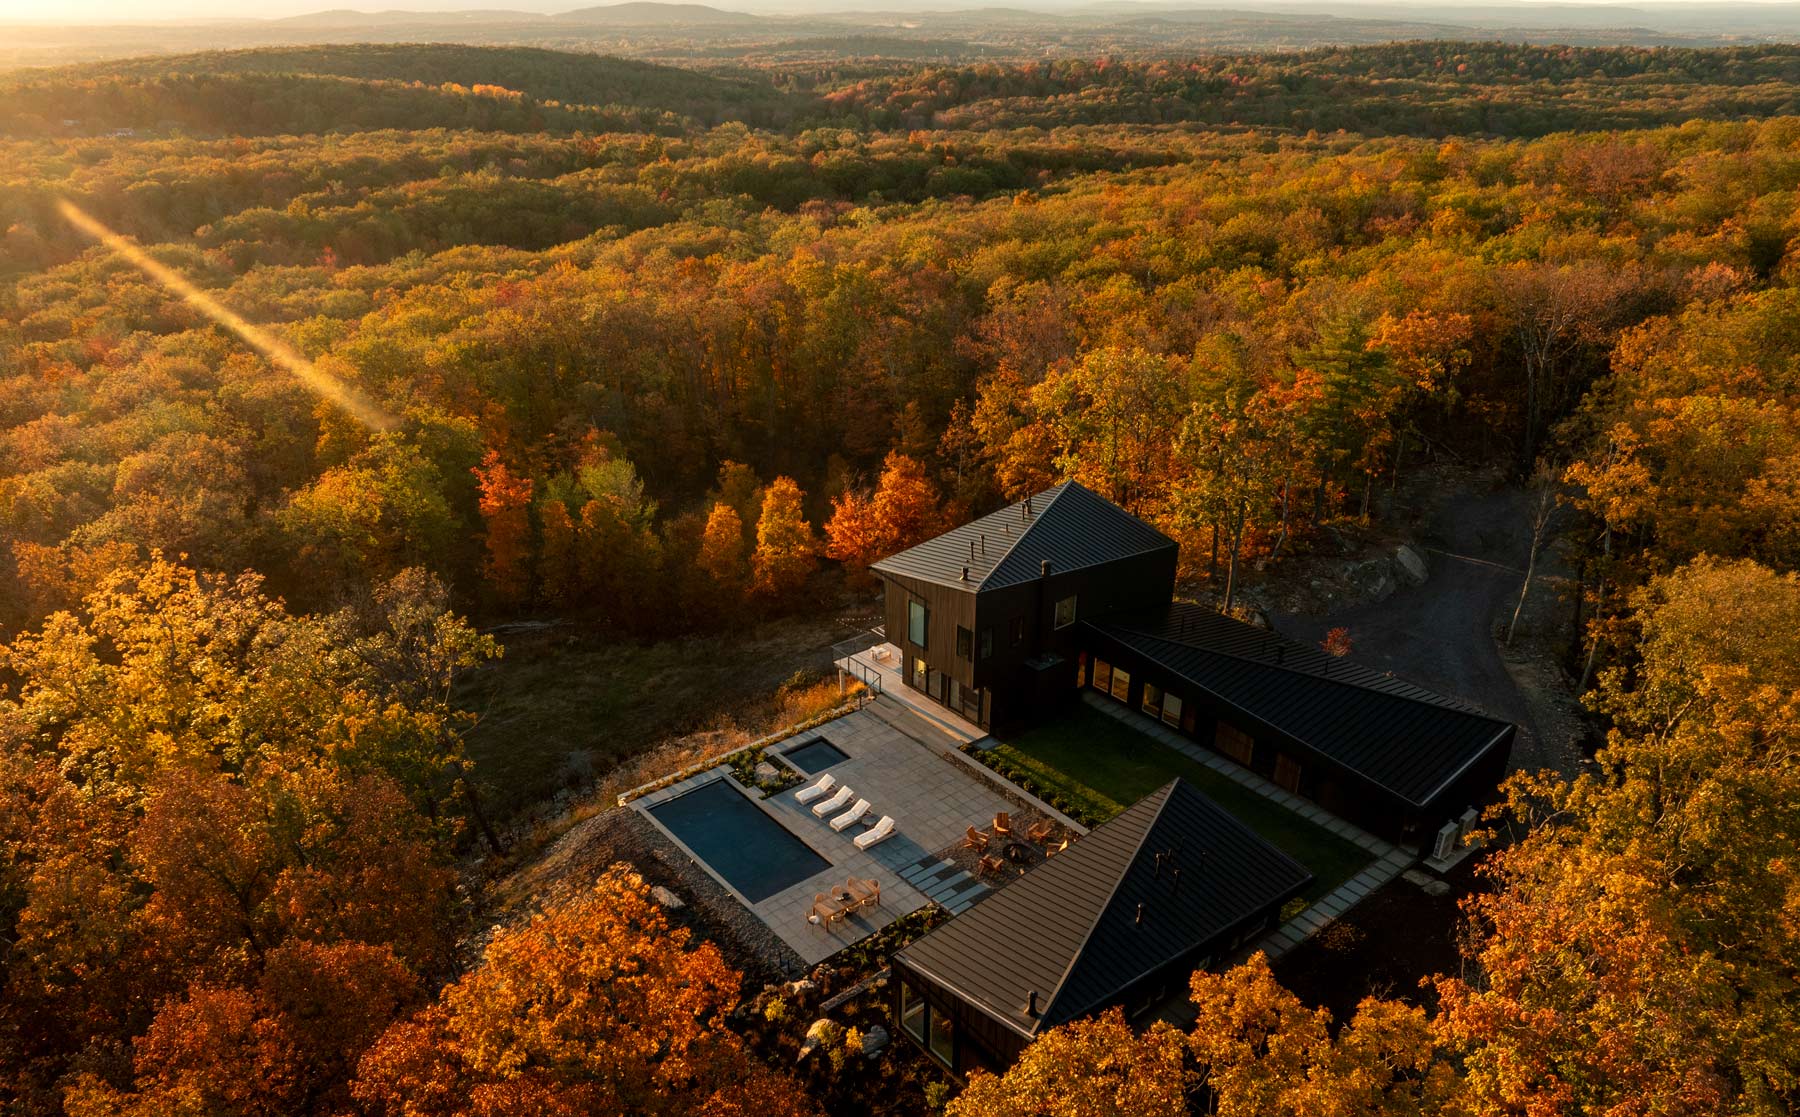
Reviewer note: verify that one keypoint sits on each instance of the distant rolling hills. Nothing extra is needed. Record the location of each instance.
(354, 87)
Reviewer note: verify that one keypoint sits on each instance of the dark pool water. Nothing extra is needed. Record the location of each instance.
(755, 853)
(815, 756)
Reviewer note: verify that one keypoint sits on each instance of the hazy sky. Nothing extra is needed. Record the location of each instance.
(111, 11)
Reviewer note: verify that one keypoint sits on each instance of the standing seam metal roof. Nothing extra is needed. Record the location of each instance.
(1069, 929)
(1070, 525)
(1402, 737)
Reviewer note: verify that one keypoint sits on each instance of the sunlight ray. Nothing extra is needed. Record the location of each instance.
(278, 352)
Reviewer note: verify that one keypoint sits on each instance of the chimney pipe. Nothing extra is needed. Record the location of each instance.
(965, 576)
(984, 542)
(1031, 1003)
(1140, 916)
(1044, 569)
(971, 550)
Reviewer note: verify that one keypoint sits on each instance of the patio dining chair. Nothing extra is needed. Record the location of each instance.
(824, 912)
(866, 893)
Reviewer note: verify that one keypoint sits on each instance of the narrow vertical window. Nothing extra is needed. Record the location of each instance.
(917, 618)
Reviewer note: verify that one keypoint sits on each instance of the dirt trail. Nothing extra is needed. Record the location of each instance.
(1440, 634)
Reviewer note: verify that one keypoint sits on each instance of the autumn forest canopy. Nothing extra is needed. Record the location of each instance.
(666, 349)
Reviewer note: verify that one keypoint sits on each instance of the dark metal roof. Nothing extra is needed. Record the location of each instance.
(1068, 525)
(1069, 929)
(1404, 738)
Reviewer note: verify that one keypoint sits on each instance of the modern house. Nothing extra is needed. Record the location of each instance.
(1122, 917)
(985, 614)
(1004, 618)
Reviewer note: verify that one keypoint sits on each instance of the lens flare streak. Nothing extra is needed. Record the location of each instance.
(277, 352)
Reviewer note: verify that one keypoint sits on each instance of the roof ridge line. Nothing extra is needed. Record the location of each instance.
(1075, 955)
(1056, 492)
(1444, 701)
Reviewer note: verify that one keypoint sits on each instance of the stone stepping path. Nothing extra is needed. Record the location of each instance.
(951, 888)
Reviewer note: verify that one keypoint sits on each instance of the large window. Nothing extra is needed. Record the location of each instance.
(1171, 709)
(917, 617)
(1121, 684)
(920, 679)
(1102, 675)
(1153, 700)
(912, 1011)
(942, 1041)
(1065, 612)
(965, 643)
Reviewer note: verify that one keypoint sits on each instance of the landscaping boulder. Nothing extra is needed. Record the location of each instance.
(873, 1041)
(766, 771)
(1411, 563)
(666, 898)
(822, 1031)
(802, 988)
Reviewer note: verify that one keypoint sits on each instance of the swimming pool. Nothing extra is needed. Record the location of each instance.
(756, 854)
(815, 756)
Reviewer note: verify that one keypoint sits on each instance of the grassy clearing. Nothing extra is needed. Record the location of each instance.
(555, 715)
(1105, 765)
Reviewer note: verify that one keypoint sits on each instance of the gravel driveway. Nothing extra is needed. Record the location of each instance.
(1440, 634)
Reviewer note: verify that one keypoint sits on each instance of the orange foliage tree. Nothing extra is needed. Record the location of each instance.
(903, 510)
(1638, 953)
(595, 1006)
(1100, 1067)
(506, 514)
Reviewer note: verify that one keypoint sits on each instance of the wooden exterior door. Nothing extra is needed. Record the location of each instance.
(1287, 773)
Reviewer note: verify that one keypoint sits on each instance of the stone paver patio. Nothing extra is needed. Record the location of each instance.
(897, 760)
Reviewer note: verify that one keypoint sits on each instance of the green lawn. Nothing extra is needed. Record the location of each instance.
(1099, 761)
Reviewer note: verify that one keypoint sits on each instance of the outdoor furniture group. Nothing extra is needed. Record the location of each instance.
(853, 894)
(979, 840)
(840, 797)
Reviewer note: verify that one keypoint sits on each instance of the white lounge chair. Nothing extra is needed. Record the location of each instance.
(835, 803)
(877, 834)
(853, 815)
(813, 791)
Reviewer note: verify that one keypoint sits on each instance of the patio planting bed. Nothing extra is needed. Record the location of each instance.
(1100, 766)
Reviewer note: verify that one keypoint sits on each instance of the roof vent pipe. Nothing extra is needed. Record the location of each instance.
(984, 542)
(1140, 915)
(971, 550)
(1031, 1003)
(1175, 879)
(1044, 569)
(965, 574)
(1027, 509)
